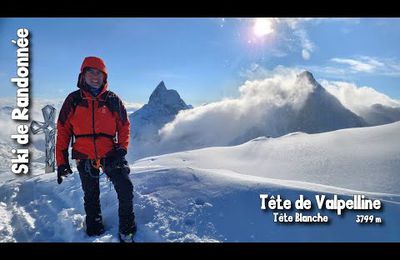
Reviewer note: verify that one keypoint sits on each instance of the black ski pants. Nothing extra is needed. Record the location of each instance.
(119, 175)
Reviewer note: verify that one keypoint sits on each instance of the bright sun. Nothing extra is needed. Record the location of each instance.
(262, 27)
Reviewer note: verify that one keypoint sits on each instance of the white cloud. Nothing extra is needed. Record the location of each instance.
(262, 104)
(367, 64)
(132, 106)
(295, 36)
(362, 65)
(357, 98)
(306, 44)
(305, 54)
(298, 35)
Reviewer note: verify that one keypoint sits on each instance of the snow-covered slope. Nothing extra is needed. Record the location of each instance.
(366, 159)
(212, 194)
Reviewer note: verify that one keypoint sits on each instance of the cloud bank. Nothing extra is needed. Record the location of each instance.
(357, 98)
(265, 103)
(262, 104)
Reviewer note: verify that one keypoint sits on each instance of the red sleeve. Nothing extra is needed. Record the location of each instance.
(123, 127)
(64, 132)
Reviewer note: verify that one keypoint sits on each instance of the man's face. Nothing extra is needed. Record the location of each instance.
(94, 77)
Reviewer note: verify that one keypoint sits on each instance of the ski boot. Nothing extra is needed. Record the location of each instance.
(127, 238)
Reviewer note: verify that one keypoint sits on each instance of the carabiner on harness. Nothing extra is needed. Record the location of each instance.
(93, 163)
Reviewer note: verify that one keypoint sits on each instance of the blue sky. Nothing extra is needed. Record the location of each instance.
(205, 59)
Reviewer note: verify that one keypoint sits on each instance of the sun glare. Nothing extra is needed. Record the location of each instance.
(262, 27)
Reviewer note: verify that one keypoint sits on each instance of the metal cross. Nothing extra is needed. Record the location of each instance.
(49, 130)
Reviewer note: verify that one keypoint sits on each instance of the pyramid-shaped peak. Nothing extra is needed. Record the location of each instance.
(162, 96)
(160, 87)
(306, 75)
(159, 91)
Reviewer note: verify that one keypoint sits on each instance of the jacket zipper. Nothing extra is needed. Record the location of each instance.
(94, 132)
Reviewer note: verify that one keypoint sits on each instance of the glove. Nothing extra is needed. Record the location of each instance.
(116, 160)
(63, 171)
(117, 153)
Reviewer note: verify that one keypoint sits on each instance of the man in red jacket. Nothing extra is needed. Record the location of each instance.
(97, 122)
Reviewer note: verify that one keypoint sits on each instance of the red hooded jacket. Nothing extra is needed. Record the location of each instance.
(98, 124)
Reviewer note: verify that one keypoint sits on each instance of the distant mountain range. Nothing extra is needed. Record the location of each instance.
(320, 112)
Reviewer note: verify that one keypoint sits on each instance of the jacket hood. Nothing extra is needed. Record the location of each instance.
(93, 62)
